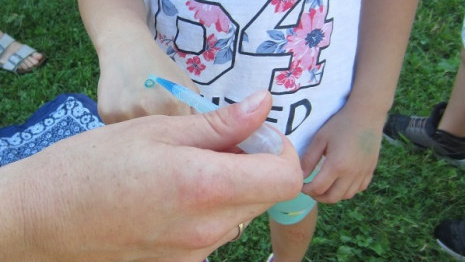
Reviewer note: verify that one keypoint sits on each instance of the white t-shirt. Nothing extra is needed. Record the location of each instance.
(302, 51)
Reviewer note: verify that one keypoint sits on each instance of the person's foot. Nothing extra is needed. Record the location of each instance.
(450, 235)
(422, 132)
(27, 64)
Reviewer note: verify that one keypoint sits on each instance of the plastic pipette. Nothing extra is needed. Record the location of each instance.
(263, 140)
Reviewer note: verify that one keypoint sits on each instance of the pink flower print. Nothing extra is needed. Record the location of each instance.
(288, 78)
(210, 49)
(309, 37)
(195, 65)
(162, 39)
(282, 5)
(178, 52)
(209, 15)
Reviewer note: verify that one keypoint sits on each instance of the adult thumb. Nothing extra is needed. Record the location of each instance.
(223, 129)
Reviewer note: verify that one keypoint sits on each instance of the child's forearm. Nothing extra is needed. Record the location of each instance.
(127, 55)
(384, 32)
(107, 21)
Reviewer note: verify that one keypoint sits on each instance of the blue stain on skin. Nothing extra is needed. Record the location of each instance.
(149, 83)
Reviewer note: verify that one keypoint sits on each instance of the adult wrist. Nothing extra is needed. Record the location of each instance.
(13, 245)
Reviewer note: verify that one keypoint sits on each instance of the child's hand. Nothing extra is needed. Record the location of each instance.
(351, 145)
(121, 91)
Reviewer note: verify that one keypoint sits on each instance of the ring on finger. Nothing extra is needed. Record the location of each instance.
(239, 234)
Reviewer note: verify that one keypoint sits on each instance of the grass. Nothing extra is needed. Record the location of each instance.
(391, 221)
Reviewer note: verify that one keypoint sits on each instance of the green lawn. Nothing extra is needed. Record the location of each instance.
(391, 221)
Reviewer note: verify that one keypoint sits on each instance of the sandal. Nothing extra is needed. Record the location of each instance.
(14, 60)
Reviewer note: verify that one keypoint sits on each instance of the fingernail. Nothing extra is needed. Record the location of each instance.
(253, 102)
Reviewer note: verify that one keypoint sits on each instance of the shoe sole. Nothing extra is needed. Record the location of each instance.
(455, 162)
(393, 141)
(450, 251)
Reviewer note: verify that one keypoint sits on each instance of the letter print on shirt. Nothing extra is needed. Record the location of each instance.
(204, 38)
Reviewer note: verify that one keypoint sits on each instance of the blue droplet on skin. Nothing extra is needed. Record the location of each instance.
(149, 83)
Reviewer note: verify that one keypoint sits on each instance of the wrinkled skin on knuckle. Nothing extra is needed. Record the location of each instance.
(220, 124)
(339, 167)
(332, 199)
(364, 185)
(319, 191)
(349, 196)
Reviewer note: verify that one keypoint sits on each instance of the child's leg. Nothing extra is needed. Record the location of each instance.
(452, 120)
(290, 242)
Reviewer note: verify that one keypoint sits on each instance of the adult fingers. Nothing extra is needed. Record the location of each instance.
(233, 233)
(239, 179)
(312, 156)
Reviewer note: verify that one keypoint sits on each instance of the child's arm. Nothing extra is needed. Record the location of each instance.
(351, 139)
(127, 56)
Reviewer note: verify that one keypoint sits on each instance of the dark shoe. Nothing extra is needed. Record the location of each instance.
(450, 235)
(423, 133)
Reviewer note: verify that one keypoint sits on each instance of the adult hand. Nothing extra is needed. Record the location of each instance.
(351, 146)
(154, 188)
